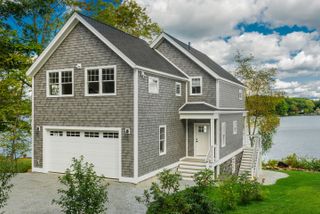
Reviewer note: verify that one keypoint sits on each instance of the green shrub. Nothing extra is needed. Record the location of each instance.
(271, 164)
(166, 197)
(294, 161)
(249, 190)
(204, 178)
(6, 174)
(229, 193)
(84, 191)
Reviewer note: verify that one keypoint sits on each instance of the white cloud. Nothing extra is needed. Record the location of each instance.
(201, 18)
(205, 22)
(295, 89)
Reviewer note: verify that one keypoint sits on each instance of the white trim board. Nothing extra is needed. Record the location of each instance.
(135, 122)
(227, 157)
(202, 65)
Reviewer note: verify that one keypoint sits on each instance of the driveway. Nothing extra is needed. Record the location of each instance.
(33, 193)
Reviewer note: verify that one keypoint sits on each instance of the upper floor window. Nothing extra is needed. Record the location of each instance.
(101, 80)
(153, 85)
(60, 83)
(240, 94)
(162, 140)
(196, 86)
(178, 89)
(235, 127)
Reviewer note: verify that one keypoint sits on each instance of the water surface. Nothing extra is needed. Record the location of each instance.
(296, 134)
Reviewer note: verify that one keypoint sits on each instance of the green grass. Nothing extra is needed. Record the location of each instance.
(297, 194)
(23, 164)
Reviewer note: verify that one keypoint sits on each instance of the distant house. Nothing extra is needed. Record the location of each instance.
(133, 109)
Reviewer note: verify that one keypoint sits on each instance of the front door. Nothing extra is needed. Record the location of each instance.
(201, 139)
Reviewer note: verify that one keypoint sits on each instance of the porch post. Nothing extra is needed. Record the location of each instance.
(212, 137)
(218, 145)
(187, 137)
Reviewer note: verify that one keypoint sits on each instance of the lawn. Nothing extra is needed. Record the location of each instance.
(297, 194)
(23, 165)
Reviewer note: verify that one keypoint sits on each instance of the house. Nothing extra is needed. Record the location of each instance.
(132, 109)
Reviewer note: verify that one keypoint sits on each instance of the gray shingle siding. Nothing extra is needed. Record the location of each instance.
(229, 95)
(155, 110)
(81, 46)
(191, 69)
(233, 142)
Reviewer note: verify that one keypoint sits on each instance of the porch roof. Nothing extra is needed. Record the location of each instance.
(197, 107)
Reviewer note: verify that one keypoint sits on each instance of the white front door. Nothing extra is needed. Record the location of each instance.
(201, 139)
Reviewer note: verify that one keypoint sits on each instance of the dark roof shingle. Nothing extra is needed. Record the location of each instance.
(134, 48)
(197, 107)
(207, 61)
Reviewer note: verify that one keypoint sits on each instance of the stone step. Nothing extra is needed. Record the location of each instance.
(187, 175)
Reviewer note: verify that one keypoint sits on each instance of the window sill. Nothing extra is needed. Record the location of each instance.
(55, 96)
(161, 154)
(99, 95)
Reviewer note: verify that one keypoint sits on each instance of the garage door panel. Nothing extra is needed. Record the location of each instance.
(102, 152)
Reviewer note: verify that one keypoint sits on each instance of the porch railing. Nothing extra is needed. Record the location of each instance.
(254, 142)
(209, 156)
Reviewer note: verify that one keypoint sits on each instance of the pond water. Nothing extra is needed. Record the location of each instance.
(296, 134)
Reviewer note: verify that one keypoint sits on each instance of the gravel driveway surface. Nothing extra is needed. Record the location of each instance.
(33, 193)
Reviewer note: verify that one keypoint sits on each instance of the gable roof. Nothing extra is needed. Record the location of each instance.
(197, 107)
(136, 52)
(200, 58)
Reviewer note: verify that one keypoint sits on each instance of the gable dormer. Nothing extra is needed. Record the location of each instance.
(208, 81)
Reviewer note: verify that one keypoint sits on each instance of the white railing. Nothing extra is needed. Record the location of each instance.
(209, 156)
(254, 142)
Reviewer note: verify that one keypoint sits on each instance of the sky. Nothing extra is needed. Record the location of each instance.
(284, 34)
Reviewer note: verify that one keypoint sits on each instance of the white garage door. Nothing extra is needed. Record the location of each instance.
(98, 147)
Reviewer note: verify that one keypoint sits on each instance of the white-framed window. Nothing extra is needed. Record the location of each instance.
(223, 134)
(233, 164)
(235, 127)
(178, 89)
(162, 140)
(153, 85)
(196, 86)
(60, 83)
(101, 80)
(240, 94)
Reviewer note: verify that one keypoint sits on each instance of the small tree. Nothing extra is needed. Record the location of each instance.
(85, 192)
(6, 174)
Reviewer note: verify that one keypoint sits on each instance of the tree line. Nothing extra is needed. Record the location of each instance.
(297, 106)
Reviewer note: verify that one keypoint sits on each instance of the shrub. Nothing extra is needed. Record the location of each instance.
(6, 174)
(165, 197)
(84, 191)
(249, 190)
(204, 178)
(229, 195)
(294, 161)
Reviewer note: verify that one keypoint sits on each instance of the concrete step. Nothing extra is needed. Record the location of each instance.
(189, 171)
(182, 166)
(193, 163)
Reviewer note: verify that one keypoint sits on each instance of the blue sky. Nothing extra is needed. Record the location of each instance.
(281, 34)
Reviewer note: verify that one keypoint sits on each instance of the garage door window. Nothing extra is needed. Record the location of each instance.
(91, 134)
(73, 134)
(56, 133)
(110, 134)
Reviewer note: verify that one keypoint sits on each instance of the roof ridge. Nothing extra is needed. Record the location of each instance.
(108, 25)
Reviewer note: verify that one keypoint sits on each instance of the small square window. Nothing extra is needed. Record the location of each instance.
(178, 89)
(153, 85)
